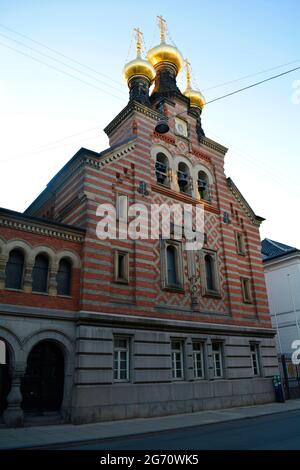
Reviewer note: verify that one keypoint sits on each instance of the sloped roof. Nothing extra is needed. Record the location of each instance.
(271, 249)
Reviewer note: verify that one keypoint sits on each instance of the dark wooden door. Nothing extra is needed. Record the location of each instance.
(43, 383)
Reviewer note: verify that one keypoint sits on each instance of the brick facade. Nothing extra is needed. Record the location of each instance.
(63, 219)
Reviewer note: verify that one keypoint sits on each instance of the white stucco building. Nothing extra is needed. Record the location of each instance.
(282, 271)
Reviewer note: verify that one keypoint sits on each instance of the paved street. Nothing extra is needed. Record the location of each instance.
(280, 432)
(249, 427)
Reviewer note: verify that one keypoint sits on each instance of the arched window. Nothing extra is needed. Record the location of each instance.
(63, 277)
(203, 186)
(209, 272)
(40, 274)
(14, 270)
(172, 274)
(161, 169)
(184, 180)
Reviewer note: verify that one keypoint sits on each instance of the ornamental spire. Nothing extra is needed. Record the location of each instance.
(138, 36)
(188, 73)
(163, 28)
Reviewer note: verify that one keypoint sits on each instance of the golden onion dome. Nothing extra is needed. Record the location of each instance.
(165, 53)
(196, 98)
(139, 67)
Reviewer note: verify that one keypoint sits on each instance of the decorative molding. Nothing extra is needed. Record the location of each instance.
(108, 158)
(201, 155)
(127, 111)
(213, 145)
(164, 138)
(183, 198)
(255, 219)
(38, 229)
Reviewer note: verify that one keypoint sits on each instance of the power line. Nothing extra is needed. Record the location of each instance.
(59, 70)
(59, 62)
(253, 85)
(59, 53)
(251, 75)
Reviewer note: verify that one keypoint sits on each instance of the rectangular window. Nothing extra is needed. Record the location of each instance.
(172, 271)
(217, 355)
(198, 360)
(122, 207)
(177, 359)
(240, 245)
(121, 359)
(246, 290)
(121, 266)
(254, 348)
(210, 273)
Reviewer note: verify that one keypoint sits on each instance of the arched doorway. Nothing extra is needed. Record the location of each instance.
(43, 383)
(5, 380)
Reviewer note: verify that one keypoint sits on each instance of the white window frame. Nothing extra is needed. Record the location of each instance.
(174, 353)
(119, 350)
(255, 358)
(196, 353)
(220, 360)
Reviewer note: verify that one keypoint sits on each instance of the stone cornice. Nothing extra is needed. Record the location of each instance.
(255, 219)
(17, 221)
(135, 321)
(213, 145)
(127, 111)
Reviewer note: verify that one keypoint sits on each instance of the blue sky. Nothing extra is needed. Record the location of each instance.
(47, 113)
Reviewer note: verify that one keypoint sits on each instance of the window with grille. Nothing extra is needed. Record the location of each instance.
(177, 359)
(63, 277)
(40, 274)
(121, 359)
(254, 348)
(217, 355)
(14, 270)
(198, 360)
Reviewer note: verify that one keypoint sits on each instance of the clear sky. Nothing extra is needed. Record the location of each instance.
(51, 106)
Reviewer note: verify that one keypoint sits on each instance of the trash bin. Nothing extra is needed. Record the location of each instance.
(279, 394)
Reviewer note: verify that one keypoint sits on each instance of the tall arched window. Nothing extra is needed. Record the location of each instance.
(40, 274)
(172, 274)
(161, 169)
(203, 186)
(184, 180)
(14, 270)
(209, 273)
(63, 277)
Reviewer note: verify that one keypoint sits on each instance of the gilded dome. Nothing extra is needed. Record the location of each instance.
(165, 53)
(139, 67)
(196, 98)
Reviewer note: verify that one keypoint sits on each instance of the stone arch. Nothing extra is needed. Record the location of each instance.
(44, 250)
(200, 167)
(73, 257)
(22, 245)
(67, 348)
(14, 345)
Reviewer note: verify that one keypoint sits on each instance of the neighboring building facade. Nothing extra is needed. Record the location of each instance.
(132, 328)
(282, 271)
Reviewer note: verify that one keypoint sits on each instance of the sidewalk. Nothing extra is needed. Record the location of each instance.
(17, 438)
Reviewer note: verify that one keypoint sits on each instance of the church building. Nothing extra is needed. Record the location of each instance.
(99, 329)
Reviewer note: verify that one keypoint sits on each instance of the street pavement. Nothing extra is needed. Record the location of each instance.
(66, 435)
(271, 432)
